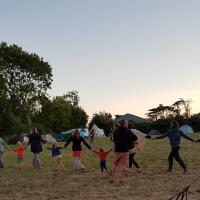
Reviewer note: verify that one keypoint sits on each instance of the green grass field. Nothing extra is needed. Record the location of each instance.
(152, 183)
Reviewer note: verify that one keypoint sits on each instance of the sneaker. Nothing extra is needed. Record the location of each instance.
(185, 170)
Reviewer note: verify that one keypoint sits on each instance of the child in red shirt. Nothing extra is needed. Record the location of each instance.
(20, 154)
(102, 156)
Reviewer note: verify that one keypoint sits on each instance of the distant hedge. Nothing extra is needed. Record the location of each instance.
(164, 125)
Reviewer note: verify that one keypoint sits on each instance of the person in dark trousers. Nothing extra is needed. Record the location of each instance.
(174, 135)
(35, 141)
(132, 153)
(133, 162)
(76, 140)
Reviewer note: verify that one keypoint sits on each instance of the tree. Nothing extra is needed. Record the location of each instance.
(60, 115)
(55, 115)
(102, 120)
(24, 79)
(72, 97)
(79, 117)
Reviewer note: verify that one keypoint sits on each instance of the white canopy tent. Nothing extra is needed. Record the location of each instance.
(97, 130)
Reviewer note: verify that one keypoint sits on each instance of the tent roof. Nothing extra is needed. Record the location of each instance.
(130, 117)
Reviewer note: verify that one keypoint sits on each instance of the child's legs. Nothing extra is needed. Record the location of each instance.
(134, 162)
(60, 163)
(20, 162)
(101, 165)
(130, 160)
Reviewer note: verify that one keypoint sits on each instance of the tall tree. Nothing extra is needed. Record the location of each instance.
(25, 78)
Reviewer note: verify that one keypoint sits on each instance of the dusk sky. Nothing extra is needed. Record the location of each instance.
(123, 56)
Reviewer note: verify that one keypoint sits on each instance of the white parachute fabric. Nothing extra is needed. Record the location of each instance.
(138, 133)
(49, 138)
(186, 129)
(140, 143)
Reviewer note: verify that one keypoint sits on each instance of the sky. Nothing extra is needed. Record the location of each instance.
(122, 56)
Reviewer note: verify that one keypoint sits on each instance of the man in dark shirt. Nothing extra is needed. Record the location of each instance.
(122, 137)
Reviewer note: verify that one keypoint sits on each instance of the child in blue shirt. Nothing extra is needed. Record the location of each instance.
(55, 152)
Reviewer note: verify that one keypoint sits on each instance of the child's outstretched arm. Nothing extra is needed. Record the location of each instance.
(107, 152)
(96, 152)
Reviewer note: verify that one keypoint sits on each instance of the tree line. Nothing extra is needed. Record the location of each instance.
(180, 108)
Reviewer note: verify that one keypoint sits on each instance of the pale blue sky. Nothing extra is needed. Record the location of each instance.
(121, 55)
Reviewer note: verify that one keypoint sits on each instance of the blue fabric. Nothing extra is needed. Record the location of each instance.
(56, 152)
(174, 137)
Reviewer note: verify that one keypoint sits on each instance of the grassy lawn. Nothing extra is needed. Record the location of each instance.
(152, 183)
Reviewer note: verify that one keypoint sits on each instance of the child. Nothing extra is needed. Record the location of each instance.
(132, 153)
(76, 140)
(20, 154)
(57, 155)
(102, 156)
(2, 144)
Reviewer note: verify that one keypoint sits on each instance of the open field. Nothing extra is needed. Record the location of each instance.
(152, 183)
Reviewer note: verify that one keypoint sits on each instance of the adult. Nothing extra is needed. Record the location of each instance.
(2, 149)
(76, 140)
(122, 138)
(174, 135)
(35, 140)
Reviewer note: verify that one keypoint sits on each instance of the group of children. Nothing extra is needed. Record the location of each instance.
(76, 140)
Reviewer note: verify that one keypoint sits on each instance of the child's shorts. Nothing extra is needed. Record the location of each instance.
(20, 160)
(58, 157)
